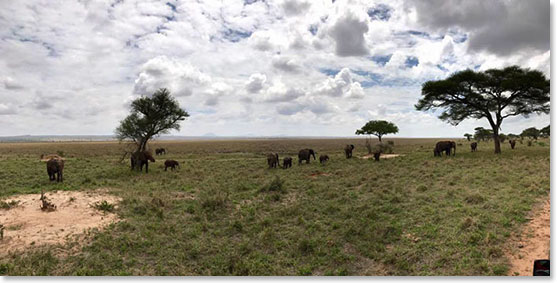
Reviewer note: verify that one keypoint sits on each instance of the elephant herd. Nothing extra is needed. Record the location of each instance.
(55, 163)
(448, 146)
(305, 154)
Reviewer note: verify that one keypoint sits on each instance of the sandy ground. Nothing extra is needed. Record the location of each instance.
(382, 156)
(533, 243)
(27, 225)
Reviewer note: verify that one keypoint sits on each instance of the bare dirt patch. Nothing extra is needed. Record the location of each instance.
(382, 156)
(532, 243)
(27, 225)
(317, 174)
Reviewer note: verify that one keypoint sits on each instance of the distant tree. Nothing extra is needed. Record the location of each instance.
(502, 137)
(481, 134)
(378, 128)
(513, 136)
(151, 117)
(531, 133)
(468, 136)
(494, 94)
(545, 131)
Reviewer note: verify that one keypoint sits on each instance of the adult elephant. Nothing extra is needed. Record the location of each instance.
(55, 169)
(474, 146)
(140, 158)
(445, 146)
(348, 150)
(305, 154)
(273, 160)
(160, 151)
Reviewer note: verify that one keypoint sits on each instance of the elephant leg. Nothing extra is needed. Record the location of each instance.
(147, 167)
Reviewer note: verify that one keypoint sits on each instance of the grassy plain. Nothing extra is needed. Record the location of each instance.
(225, 213)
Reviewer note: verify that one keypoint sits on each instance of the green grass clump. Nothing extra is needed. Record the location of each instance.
(104, 206)
(9, 204)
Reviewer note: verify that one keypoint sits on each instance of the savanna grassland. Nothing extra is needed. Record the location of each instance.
(225, 213)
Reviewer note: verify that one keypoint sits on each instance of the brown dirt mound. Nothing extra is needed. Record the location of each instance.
(532, 243)
(383, 156)
(27, 225)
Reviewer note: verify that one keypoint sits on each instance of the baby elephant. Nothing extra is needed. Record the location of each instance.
(376, 155)
(474, 146)
(54, 168)
(323, 158)
(172, 164)
(286, 162)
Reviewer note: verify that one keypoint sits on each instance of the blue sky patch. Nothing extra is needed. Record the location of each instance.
(329, 72)
(172, 6)
(381, 59)
(411, 61)
(380, 12)
(235, 35)
(313, 29)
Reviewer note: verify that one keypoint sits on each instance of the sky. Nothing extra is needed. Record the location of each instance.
(256, 68)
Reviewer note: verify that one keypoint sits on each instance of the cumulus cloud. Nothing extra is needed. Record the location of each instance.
(498, 26)
(256, 82)
(348, 33)
(341, 85)
(295, 7)
(286, 64)
(10, 83)
(280, 92)
(6, 109)
(163, 72)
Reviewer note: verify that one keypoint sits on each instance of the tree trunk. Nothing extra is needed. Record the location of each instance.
(496, 141)
(379, 139)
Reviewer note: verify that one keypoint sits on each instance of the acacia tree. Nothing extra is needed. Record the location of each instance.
(545, 131)
(378, 128)
(481, 134)
(468, 136)
(531, 133)
(494, 94)
(151, 117)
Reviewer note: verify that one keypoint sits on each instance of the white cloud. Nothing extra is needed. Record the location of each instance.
(256, 82)
(162, 72)
(348, 33)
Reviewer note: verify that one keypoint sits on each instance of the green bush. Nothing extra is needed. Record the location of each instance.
(276, 185)
(104, 206)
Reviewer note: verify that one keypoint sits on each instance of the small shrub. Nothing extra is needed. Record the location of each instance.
(529, 143)
(383, 148)
(421, 188)
(104, 206)
(475, 199)
(60, 153)
(8, 205)
(212, 201)
(391, 143)
(305, 246)
(541, 143)
(276, 185)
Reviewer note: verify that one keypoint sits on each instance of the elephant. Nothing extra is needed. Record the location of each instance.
(348, 150)
(55, 169)
(305, 154)
(377, 155)
(140, 158)
(286, 162)
(160, 151)
(512, 143)
(323, 158)
(172, 164)
(474, 146)
(445, 146)
(273, 160)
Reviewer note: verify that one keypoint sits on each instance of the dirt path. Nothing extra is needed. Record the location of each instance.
(27, 225)
(532, 243)
(382, 156)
